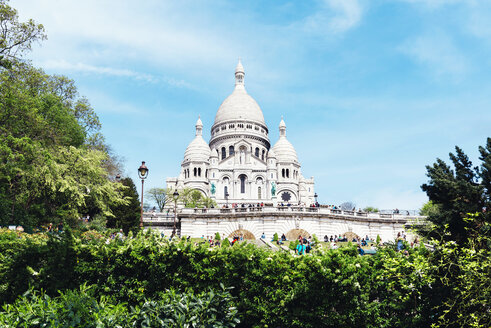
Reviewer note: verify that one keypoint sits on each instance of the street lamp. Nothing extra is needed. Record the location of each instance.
(315, 196)
(142, 174)
(175, 196)
(118, 177)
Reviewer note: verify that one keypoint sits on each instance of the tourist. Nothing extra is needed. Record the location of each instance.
(300, 248)
(50, 227)
(334, 245)
(326, 239)
(60, 227)
(360, 250)
(263, 236)
(121, 234)
(283, 237)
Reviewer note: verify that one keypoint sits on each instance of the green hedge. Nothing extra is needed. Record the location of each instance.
(83, 309)
(327, 288)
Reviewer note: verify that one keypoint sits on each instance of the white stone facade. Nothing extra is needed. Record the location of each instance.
(239, 165)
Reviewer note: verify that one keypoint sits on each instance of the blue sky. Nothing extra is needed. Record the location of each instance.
(371, 91)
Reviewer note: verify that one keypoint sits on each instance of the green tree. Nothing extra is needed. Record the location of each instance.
(429, 208)
(126, 216)
(15, 37)
(159, 196)
(56, 165)
(371, 209)
(457, 191)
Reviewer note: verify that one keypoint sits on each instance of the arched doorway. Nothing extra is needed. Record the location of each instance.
(351, 235)
(294, 233)
(242, 233)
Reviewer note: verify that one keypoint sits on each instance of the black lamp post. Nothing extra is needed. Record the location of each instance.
(315, 196)
(118, 177)
(175, 196)
(142, 173)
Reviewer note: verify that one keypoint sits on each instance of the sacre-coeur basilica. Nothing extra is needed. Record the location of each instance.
(239, 165)
(263, 183)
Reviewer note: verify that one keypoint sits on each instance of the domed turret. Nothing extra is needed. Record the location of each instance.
(198, 149)
(284, 150)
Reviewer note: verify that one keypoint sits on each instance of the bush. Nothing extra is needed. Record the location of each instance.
(217, 236)
(82, 309)
(328, 288)
(275, 236)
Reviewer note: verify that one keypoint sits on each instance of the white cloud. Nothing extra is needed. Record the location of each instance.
(65, 66)
(335, 16)
(438, 53)
(82, 67)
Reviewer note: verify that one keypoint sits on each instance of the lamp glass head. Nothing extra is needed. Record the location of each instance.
(143, 171)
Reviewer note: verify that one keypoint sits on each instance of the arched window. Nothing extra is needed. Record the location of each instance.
(206, 173)
(231, 150)
(242, 178)
(195, 171)
(259, 180)
(188, 173)
(287, 173)
(262, 156)
(259, 193)
(282, 173)
(256, 152)
(225, 191)
(224, 153)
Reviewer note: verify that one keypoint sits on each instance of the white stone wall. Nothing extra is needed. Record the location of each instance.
(270, 223)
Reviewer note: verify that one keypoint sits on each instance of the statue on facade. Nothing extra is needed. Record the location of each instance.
(213, 189)
(242, 156)
(273, 189)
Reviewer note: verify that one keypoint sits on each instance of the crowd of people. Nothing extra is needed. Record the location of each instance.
(244, 205)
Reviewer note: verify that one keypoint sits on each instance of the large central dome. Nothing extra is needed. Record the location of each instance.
(239, 105)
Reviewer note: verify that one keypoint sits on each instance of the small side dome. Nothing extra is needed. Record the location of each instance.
(284, 150)
(198, 149)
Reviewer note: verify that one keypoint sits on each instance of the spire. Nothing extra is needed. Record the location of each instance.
(239, 74)
(282, 128)
(199, 127)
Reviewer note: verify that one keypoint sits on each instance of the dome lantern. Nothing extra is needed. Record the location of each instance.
(239, 74)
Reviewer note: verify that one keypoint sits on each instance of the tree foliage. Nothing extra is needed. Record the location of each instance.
(161, 196)
(456, 191)
(126, 216)
(55, 165)
(16, 37)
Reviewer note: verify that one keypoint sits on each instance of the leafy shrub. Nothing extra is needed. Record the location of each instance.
(329, 288)
(82, 309)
